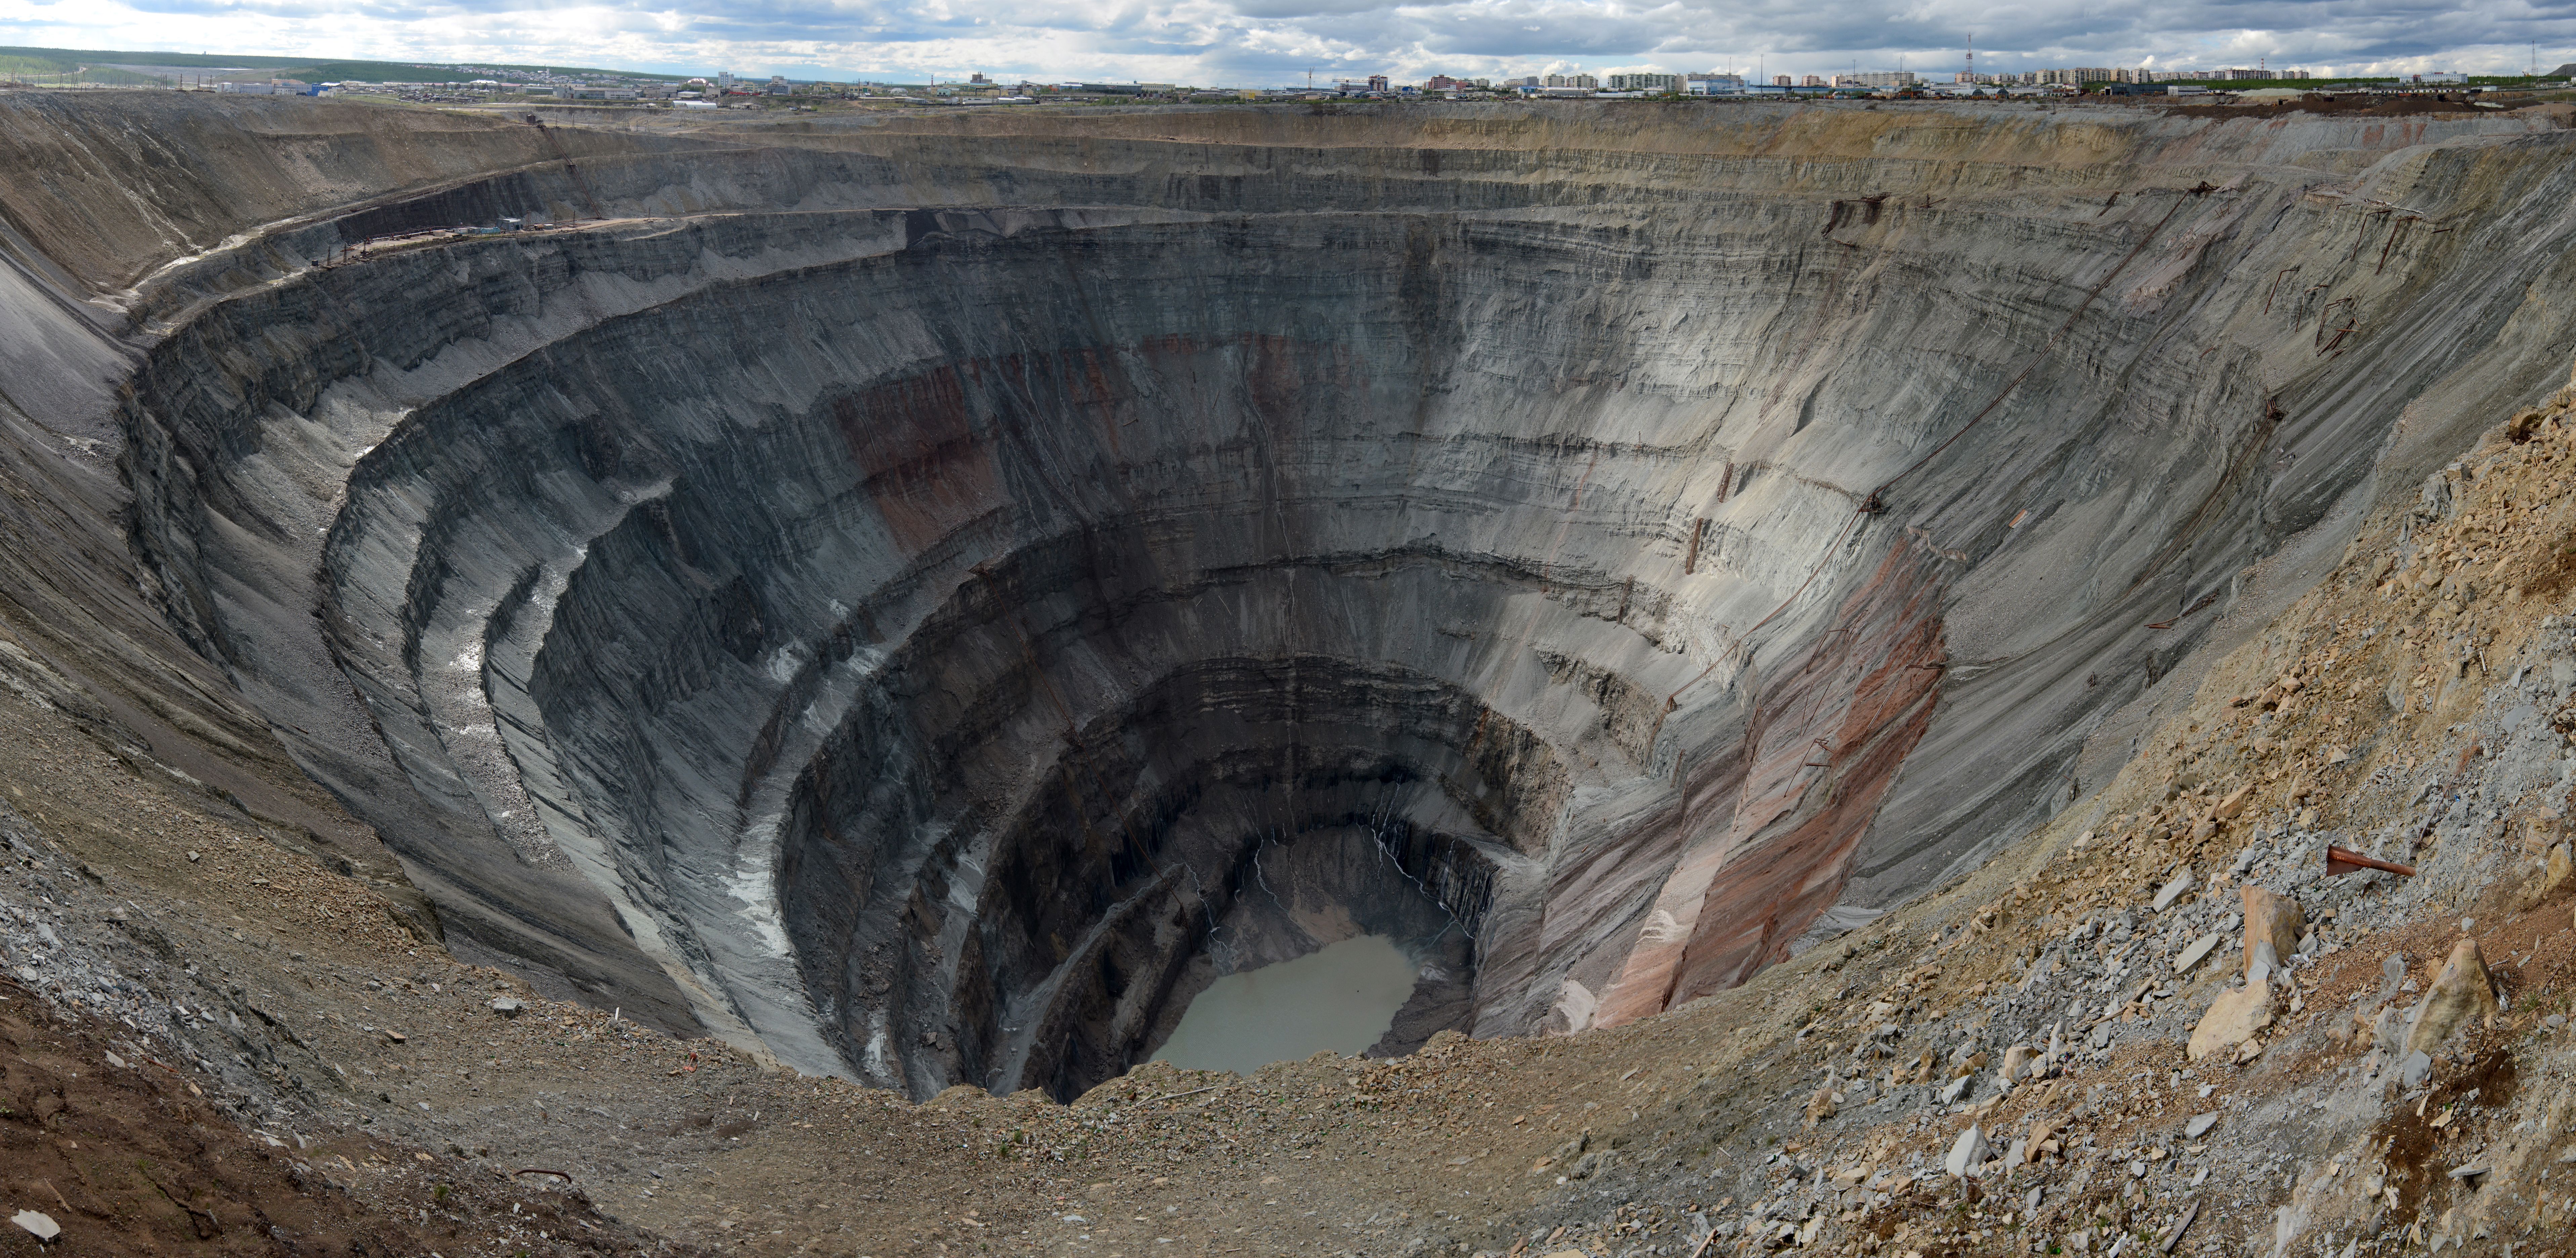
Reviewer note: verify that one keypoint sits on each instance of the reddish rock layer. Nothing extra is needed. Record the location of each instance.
(1828, 734)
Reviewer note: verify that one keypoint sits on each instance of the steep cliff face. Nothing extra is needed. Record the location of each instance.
(879, 591)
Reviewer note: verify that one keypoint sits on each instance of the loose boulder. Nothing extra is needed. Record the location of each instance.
(2196, 952)
(2261, 962)
(2417, 1068)
(2234, 1018)
(1968, 1154)
(2034, 1144)
(2273, 919)
(2554, 872)
(2017, 1062)
(2234, 804)
(2178, 888)
(2463, 988)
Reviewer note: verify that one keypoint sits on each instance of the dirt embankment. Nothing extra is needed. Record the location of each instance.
(120, 1153)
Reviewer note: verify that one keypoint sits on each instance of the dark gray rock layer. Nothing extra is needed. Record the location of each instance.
(879, 592)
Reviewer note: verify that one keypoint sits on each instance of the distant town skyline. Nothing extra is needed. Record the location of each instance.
(1265, 43)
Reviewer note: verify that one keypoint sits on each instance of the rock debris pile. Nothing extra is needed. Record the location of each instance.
(2171, 1022)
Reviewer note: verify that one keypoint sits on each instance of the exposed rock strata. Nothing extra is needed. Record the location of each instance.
(874, 592)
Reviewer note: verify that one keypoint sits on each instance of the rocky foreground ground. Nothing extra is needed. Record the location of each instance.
(2169, 1021)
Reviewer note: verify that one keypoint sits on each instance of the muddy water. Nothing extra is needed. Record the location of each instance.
(1342, 997)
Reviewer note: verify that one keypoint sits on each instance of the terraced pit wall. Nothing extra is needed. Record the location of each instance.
(891, 592)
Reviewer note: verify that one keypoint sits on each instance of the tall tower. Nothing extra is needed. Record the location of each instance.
(1972, 60)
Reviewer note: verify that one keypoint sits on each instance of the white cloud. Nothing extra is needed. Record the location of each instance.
(1262, 42)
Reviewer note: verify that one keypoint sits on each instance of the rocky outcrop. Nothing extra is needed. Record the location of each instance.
(879, 592)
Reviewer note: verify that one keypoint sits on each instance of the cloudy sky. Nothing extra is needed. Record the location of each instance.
(1274, 42)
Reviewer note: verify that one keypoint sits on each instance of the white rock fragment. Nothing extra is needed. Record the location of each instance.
(2199, 1126)
(2196, 952)
(1968, 1154)
(2418, 1068)
(39, 1225)
(2264, 959)
(2178, 888)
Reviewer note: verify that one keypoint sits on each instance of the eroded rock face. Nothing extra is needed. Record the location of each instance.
(885, 594)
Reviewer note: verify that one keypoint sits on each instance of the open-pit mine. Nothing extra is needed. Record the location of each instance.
(1757, 675)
